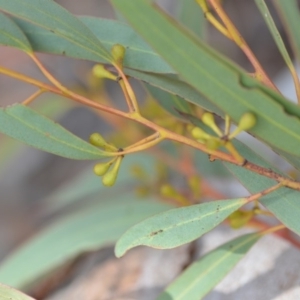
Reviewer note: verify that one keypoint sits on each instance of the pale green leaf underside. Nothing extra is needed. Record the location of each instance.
(55, 19)
(24, 124)
(290, 15)
(108, 32)
(203, 275)
(217, 79)
(8, 293)
(92, 228)
(11, 35)
(177, 226)
(283, 203)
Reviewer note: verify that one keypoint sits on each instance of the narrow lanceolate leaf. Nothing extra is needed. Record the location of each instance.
(283, 203)
(262, 6)
(109, 32)
(92, 228)
(8, 293)
(138, 55)
(274, 31)
(11, 35)
(177, 226)
(203, 275)
(191, 16)
(220, 81)
(28, 126)
(55, 20)
(290, 15)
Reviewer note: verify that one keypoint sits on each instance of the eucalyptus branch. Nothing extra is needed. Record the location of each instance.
(32, 97)
(164, 133)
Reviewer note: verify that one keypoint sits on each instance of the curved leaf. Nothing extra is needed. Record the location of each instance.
(8, 293)
(11, 35)
(283, 203)
(53, 18)
(203, 275)
(99, 225)
(290, 15)
(24, 124)
(220, 81)
(109, 32)
(177, 226)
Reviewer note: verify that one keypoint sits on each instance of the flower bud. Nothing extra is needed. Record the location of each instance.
(101, 168)
(213, 143)
(110, 177)
(209, 120)
(247, 121)
(100, 72)
(199, 134)
(167, 190)
(118, 54)
(97, 140)
(240, 218)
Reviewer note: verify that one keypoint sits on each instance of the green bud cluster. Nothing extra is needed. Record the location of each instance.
(109, 173)
(240, 218)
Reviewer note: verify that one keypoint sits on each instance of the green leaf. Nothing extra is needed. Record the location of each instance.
(203, 275)
(283, 203)
(55, 20)
(177, 226)
(92, 228)
(11, 35)
(290, 15)
(172, 85)
(109, 32)
(191, 15)
(220, 81)
(263, 8)
(138, 54)
(171, 103)
(26, 125)
(8, 293)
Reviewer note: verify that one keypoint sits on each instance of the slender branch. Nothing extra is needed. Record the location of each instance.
(47, 74)
(144, 141)
(239, 40)
(33, 96)
(132, 103)
(287, 182)
(164, 133)
(264, 192)
(27, 79)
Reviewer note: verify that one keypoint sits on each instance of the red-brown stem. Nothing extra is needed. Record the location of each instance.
(165, 133)
(239, 40)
